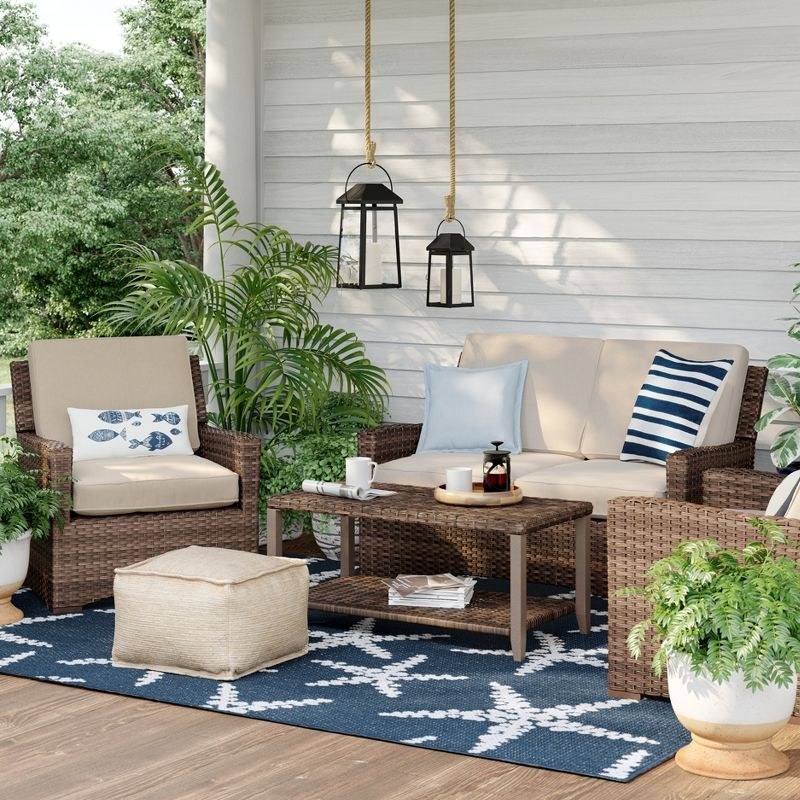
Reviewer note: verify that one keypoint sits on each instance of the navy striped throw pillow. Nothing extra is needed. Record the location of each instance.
(671, 405)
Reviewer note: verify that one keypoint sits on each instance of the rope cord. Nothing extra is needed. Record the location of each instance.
(450, 199)
(369, 145)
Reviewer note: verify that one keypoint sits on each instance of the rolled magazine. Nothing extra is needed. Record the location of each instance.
(343, 490)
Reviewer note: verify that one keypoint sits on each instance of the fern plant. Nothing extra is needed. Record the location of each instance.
(24, 505)
(272, 363)
(726, 609)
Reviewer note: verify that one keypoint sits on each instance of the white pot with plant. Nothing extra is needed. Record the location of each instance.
(728, 628)
(26, 512)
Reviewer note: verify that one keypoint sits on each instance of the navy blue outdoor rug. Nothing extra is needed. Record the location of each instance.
(447, 690)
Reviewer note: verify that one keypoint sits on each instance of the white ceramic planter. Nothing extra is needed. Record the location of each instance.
(731, 725)
(14, 558)
(328, 534)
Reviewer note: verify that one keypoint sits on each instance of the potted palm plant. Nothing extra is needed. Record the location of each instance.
(26, 512)
(270, 359)
(729, 631)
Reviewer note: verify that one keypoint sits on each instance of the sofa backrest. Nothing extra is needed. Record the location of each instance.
(108, 373)
(621, 370)
(579, 392)
(558, 385)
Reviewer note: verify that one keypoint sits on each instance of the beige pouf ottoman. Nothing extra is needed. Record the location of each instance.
(210, 612)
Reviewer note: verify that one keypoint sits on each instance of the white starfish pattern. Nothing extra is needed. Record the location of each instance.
(150, 676)
(362, 636)
(513, 716)
(12, 659)
(386, 680)
(552, 651)
(12, 638)
(227, 699)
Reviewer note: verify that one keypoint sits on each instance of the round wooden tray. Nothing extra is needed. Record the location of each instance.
(477, 497)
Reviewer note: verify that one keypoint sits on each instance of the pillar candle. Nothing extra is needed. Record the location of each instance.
(373, 263)
(456, 284)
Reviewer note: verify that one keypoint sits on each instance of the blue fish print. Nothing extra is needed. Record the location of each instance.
(103, 435)
(170, 417)
(175, 431)
(155, 441)
(117, 417)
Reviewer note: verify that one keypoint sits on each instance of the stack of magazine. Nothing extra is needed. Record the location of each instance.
(432, 591)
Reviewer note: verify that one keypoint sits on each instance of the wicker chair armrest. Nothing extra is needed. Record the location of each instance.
(739, 488)
(53, 460)
(389, 441)
(238, 452)
(232, 449)
(685, 468)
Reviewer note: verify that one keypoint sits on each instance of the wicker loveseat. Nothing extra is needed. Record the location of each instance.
(76, 566)
(642, 530)
(575, 408)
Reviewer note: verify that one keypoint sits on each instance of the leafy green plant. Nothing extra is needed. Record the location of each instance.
(318, 452)
(783, 386)
(24, 505)
(272, 363)
(726, 609)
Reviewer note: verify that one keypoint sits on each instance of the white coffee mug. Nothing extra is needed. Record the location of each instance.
(459, 479)
(359, 471)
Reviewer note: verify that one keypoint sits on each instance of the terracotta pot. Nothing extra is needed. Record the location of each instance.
(14, 558)
(731, 725)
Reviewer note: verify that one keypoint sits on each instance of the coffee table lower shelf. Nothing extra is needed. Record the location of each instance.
(488, 612)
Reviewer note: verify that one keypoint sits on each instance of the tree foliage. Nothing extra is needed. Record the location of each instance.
(82, 163)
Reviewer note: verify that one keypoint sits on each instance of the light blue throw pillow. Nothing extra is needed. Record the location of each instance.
(672, 403)
(466, 409)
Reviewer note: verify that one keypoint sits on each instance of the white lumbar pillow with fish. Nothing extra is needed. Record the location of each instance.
(132, 432)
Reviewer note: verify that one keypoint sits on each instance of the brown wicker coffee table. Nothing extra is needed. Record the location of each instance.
(509, 614)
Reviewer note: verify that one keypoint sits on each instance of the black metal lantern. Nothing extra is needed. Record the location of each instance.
(369, 240)
(449, 267)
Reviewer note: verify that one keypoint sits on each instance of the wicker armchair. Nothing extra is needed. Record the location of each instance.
(685, 470)
(76, 566)
(643, 530)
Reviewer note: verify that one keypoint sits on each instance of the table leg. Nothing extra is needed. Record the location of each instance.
(348, 546)
(274, 532)
(518, 594)
(582, 575)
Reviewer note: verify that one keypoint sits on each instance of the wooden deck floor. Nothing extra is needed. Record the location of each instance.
(65, 743)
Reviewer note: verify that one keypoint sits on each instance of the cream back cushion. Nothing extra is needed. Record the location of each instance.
(621, 371)
(114, 372)
(558, 384)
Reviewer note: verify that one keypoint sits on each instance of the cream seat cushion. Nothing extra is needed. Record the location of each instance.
(596, 480)
(430, 469)
(151, 483)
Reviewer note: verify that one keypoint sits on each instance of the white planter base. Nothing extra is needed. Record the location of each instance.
(731, 725)
(727, 756)
(13, 569)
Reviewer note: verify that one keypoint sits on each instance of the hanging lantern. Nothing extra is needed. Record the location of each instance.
(450, 279)
(369, 240)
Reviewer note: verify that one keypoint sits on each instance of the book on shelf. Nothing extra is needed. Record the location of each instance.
(431, 591)
(343, 490)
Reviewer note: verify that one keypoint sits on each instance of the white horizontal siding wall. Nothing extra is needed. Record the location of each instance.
(625, 168)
